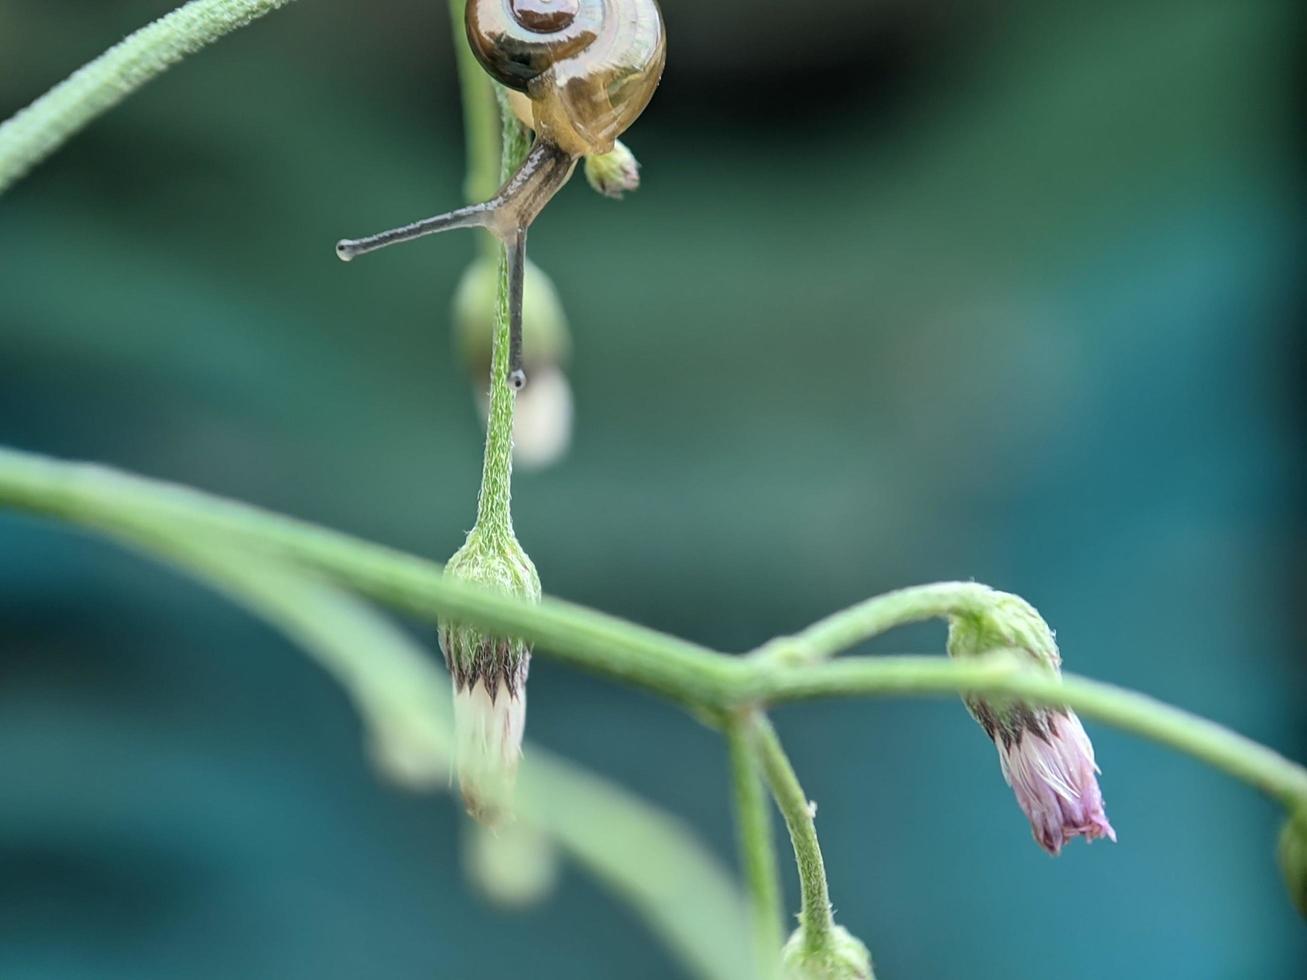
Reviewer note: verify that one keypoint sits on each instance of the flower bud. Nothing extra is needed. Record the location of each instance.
(542, 422)
(489, 674)
(614, 173)
(514, 866)
(839, 956)
(542, 425)
(1293, 858)
(1044, 753)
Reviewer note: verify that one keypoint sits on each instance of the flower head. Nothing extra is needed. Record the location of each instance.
(1045, 755)
(489, 674)
(1048, 761)
(614, 173)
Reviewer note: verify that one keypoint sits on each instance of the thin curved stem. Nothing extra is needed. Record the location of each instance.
(34, 133)
(800, 816)
(691, 675)
(847, 628)
(1000, 674)
(756, 846)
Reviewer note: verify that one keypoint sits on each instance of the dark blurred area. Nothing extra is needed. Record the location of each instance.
(913, 290)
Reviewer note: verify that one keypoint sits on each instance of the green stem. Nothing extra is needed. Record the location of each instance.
(692, 675)
(756, 846)
(1002, 674)
(815, 915)
(34, 133)
(101, 498)
(494, 506)
(872, 617)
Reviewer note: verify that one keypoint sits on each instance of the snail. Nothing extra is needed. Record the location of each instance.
(587, 69)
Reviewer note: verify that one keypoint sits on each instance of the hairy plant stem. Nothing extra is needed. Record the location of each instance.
(756, 846)
(872, 617)
(692, 675)
(32, 134)
(800, 814)
(494, 506)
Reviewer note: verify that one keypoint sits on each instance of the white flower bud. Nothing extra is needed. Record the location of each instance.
(489, 674)
(514, 866)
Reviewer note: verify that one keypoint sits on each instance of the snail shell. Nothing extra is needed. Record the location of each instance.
(589, 67)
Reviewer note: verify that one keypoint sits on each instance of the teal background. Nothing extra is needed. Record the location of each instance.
(913, 290)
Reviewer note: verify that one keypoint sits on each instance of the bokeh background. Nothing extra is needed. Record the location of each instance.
(914, 290)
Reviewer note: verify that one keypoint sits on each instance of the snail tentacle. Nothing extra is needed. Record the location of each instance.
(587, 69)
(516, 283)
(507, 216)
(476, 216)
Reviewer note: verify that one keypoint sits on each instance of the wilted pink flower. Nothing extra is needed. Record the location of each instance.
(1048, 761)
(1046, 756)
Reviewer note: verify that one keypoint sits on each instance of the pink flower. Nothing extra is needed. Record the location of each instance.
(1048, 761)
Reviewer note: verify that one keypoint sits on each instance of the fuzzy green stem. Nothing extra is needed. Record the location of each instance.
(756, 845)
(494, 506)
(872, 617)
(34, 133)
(1010, 674)
(96, 497)
(799, 813)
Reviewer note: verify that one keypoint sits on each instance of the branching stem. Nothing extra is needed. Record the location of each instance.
(96, 497)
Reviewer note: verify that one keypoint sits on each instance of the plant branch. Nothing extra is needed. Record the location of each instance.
(800, 814)
(1008, 674)
(655, 863)
(96, 497)
(494, 506)
(756, 846)
(35, 132)
(100, 498)
(872, 617)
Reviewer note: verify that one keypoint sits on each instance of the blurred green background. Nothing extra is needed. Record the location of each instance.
(914, 290)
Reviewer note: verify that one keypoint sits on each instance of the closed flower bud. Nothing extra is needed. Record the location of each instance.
(1045, 755)
(542, 426)
(489, 674)
(1293, 859)
(614, 173)
(839, 956)
(514, 866)
(542, 422)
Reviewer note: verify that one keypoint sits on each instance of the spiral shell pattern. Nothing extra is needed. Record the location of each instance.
(589, 67)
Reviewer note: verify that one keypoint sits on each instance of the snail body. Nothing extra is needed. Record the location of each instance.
(588, 69)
